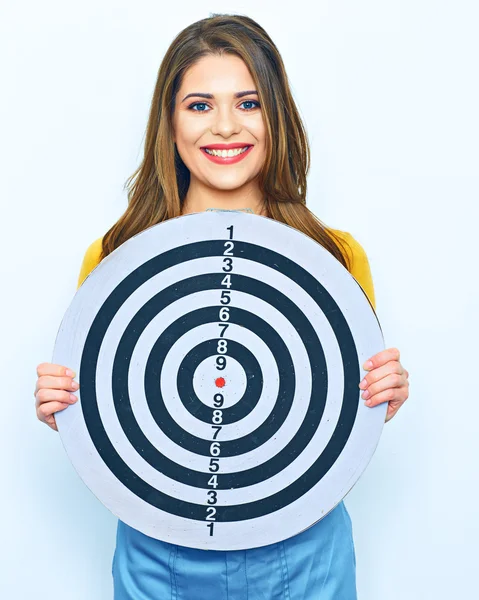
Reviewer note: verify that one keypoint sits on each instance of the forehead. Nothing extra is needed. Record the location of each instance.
(216, 75)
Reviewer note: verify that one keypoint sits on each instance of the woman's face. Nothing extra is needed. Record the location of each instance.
(221, 119)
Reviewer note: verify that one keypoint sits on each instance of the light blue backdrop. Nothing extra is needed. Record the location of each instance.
(389, 95)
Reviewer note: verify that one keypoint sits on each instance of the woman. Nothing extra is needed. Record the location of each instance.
(222, 83)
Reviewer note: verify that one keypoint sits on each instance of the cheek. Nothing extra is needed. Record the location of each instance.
(260, 135)
(258, 129)
(188, 131)
(187, 150)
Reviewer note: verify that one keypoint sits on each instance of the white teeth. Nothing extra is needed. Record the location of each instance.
(226, 153)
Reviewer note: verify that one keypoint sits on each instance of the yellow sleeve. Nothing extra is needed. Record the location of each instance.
(90, 260)
(360, 268)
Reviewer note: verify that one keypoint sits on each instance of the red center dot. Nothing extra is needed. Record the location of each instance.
(220, 382)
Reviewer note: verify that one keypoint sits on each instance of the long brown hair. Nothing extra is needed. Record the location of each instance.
(158, 187)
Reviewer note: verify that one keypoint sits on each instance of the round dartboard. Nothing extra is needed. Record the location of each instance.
(219, 356)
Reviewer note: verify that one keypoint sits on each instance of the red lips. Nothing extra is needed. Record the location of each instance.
(229, 160)
(226, 146)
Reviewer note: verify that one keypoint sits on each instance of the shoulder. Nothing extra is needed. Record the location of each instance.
(90, 260)
(355, 249)
(359, 263)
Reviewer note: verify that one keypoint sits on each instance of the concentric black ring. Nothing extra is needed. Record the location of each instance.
(157, 357)
(184, 381)
(154, 395)
(346, 344)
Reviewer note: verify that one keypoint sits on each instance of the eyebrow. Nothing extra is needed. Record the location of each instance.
(203, 95)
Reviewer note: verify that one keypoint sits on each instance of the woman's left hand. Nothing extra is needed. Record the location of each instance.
(387, 381)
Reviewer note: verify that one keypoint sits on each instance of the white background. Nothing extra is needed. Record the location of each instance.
(389, 95)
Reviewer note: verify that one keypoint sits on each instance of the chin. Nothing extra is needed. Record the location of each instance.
(227, 184)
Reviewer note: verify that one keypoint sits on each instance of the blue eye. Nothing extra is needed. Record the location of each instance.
(195, 104)
(198, 104)
(251, 102)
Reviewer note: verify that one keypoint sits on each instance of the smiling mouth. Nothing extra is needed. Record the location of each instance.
(226, 157)
(226, 153)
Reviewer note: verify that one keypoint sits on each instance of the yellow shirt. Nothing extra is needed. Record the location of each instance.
(360, 269)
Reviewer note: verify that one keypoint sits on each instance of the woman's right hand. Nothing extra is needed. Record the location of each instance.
(53, 391)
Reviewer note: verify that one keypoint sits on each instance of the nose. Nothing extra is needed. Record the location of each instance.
(225, 123)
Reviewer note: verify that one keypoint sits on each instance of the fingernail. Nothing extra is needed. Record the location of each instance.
(75, 385)
(367, 365)
(363, 384)
(73, 398)
(70, 373)
(365, 394)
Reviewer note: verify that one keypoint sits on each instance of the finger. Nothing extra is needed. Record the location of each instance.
(54, 370)
(395, 396)
(49, 395)
(392, 366)
(47, 410)
(57, 383)
(392, 380)
(390, 413)
(392, 409)
(51, 422)
(381, 358)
